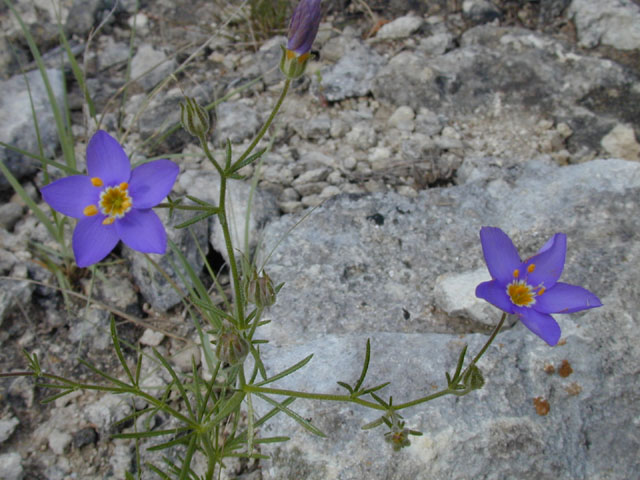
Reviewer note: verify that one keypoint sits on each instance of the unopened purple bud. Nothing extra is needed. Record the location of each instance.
(303, 27)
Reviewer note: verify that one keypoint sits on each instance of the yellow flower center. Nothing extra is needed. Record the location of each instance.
(114, 202)
(520, 292)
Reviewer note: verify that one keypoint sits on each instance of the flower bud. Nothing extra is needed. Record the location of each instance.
(231, 346)
(303, 29)
(398, 438)
(473, 379)
(194, 118)
(261, 291)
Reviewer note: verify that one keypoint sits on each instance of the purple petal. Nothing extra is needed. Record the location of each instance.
(500, 254)
(92, 241)
(542, 324)
(494, 293)
(106, 159)
(303, 27)
(549, 263)
(151, 182)
(70, 195)
(565, 298)
(142, 230)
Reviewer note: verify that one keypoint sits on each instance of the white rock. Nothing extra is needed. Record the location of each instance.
(402, 119)
(455, 293)
(613, 22)
(151, 338)
(401, 27)
(59, 441)
(621, 142)
(11, 466)
(7, 426)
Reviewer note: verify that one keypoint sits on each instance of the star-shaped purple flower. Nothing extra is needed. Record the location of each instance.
(530, 289)
(113, 202)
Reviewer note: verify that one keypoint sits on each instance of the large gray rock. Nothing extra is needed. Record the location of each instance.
(499, 68)
(17, 125)
(367, 267)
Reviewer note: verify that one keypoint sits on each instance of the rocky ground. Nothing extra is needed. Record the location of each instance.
(417, 123)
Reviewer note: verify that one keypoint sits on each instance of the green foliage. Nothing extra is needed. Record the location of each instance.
(268, 17)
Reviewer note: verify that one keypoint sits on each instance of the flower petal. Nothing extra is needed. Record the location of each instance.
(565, 298)
(92, 241)
(142, 230)
(542, 324)
(151, 182)
(494, 293)
(500, 254)
(70, 195)
(303, 26)
(106, 159)
(549, 263)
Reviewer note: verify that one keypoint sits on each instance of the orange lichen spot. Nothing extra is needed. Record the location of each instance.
(562, 341)
(542, 406)
(564, 370)
(549, 369)
(108, 221)
(516, 273)
(531, 268)
(90, 210)
(573, 389)
(96, 182)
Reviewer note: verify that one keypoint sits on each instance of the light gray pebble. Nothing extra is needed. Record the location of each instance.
(11, 466)
(8, 425)
(311, 176)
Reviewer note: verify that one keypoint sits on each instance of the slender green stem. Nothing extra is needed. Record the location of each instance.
(313, 396)
(222, 217)
(207, 152)
(267, 124)
(486, 345)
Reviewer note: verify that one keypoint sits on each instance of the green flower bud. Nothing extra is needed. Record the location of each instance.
(473, 379)
(194, 118)
(261, 291)
(398, 439)
(292, 64)
(231, 347)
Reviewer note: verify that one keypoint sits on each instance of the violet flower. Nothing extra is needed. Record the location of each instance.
(530, 288)
(113, 202)
(303, 27)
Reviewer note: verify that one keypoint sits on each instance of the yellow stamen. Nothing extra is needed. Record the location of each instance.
(90, 210)
(521, 293)
(531, 268)
(108, 221)
(516, 273)
(541, 291)
(115, 201)
(97, 182)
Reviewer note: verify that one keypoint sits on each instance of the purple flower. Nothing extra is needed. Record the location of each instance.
(530, 289)
(113, 202)
(303, 27)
